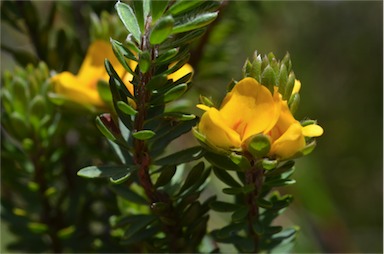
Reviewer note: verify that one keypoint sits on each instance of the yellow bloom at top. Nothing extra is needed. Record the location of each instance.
(250, 109)
(82, 88)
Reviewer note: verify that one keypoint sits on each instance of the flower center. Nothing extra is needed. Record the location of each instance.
(240, 127)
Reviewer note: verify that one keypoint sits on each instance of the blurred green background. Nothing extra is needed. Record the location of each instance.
(337, 52)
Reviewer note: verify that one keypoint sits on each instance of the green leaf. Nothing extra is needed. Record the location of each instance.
(104, 91)
(158, 8)
(165, 57)
(193, 176)
(65, 233)
(138, 223)
(225, 177)
(103, 171)
(161, 30)
(239, 190)
(104, 129)
(143, 134)
(227, 232)
(286, 167)
(144, 61)
(198, 21)
(191, 214)
(165, 176)
(175, 92)
(38, 228)
(157, 82)
(125, 108)
(184, 5)
(221, 161)
(240, 214)
(139, 12)
(183, 156)
(120, 177)
(280, 182)
(142, 236)
(183, 39)
(264, 203)
(128, 17)
(128, 194)
(220, 206)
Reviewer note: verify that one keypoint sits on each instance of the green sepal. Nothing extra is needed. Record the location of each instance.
(206, 101)
(128, 17)
(269, 164)
(258, 145)
(104, 171)
(290, 85)
(224, 207)
(256, 67)
(308, 148)
(165, 176)
(247, 69)
(241, 161)
(125, 108)
(144, 61)
(143, 134)
(282, 79)
(161, 30)
(268, 78)
(198, 21)
(294, 102)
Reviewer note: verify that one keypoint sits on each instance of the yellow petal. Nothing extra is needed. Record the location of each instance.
(70, 86)
(184, 70)
(92, 68)
(296, 86)
(313, 130)
(291, 142)
(217, 133)
(250, 108)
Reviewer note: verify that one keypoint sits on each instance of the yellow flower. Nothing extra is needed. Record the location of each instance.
(82, 88)
(250, 109)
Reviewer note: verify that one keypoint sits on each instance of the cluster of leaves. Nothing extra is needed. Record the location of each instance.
(160, 210)
(43, 201)
(247, 195)
(271, 72)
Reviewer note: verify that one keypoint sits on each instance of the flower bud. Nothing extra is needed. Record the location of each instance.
(258, 145)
